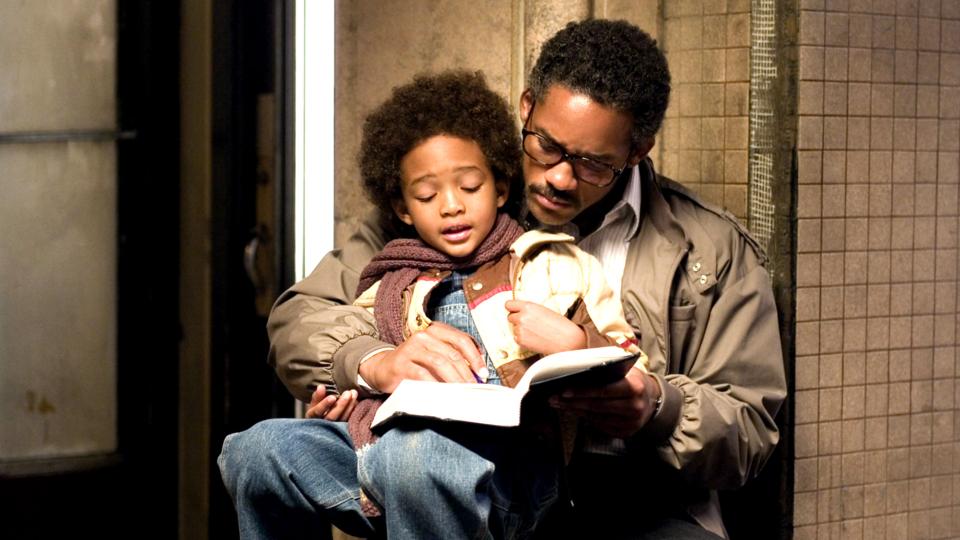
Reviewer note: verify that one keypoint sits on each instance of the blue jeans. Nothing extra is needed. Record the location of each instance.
(293, 478)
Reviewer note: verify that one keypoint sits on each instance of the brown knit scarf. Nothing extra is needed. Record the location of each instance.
(401, 261)
(397, 266)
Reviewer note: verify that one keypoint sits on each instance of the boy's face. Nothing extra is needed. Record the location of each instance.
(449, 194)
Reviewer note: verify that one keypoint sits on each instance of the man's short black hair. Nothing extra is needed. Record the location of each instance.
(456, 103)
(615, 63)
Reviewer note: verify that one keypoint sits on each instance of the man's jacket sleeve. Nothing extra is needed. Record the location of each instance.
(316, 336)
(716, 424)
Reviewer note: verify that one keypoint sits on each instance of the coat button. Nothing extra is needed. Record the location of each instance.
(703, 279)
(502, 354)
(696, 267)
(419, 320)
(477, 285)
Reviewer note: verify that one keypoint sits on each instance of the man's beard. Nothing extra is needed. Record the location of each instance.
(553, 193)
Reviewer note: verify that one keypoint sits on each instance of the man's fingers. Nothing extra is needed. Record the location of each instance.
(615, 390)
(585, 406)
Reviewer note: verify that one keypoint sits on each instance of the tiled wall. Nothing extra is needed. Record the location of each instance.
(876, 368)
(705, 135)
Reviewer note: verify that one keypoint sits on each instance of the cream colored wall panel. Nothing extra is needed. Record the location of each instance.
(58, 246)
(383, 44)
(58, 65)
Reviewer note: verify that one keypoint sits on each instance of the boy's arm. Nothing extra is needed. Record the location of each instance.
(318, 338)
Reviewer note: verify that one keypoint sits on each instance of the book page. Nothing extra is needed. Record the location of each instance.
(478, 403)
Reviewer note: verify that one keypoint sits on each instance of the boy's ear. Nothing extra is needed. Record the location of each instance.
(503, 191)
(400, 208)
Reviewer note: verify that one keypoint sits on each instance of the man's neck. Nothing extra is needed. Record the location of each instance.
(591, 218)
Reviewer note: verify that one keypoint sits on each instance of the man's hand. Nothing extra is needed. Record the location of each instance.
(542, 330)
(619, 409)
(440, 353)
(331, 407)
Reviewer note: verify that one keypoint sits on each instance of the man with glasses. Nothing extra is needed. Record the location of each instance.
(656, 446)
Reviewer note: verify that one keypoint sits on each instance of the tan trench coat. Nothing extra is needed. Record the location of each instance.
(695, 292)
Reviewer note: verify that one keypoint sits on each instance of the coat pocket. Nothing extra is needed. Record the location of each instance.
(682, 326)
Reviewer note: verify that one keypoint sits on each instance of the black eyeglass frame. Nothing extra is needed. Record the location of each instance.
(572, 158)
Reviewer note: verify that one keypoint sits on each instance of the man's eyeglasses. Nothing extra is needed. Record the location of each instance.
(585, 169)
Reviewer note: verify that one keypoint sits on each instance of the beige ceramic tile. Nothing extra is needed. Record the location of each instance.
(835, 98)
(854, 335)
(949, 69)
(858, 163)
(858, 135)
(834, 133)
(811, 63)
(906, 32)
(928, 30)
(836, 63)
(837, 29)
(715, 32)
(950, 102)
(881, 133)
(830, 438)
(904, 135)
(807, 370)
(811, 28)
(811, 98)
(830, 404)
(950, 36)
(905, 67)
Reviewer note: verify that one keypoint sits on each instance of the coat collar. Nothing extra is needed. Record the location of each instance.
(683, 231)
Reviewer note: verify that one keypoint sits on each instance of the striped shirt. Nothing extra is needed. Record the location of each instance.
(609, 244)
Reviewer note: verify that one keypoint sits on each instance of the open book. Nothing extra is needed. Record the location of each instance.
(498, 405)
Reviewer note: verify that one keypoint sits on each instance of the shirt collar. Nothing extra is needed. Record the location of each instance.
(627, 209)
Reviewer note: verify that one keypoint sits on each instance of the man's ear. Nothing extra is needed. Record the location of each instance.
(526, 105)
(640, 153)
(400, 208)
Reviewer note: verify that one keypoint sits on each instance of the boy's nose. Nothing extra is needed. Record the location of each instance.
(452, 205)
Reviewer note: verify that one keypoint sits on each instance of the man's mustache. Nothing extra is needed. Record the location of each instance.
(551, 192)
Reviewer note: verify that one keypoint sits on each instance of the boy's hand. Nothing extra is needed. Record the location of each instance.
(542, 330)
(331, 407)
(440, 353)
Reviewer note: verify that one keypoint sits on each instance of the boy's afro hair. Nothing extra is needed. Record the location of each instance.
(456, 103)
(615, 63)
